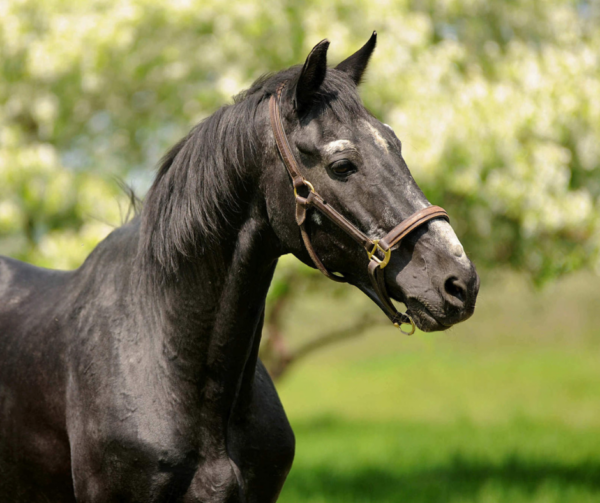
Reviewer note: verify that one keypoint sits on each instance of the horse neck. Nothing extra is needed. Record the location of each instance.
(209, 314)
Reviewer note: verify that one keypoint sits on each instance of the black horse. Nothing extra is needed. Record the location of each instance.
(135, 378)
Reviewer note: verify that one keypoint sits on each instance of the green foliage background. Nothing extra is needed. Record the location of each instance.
(496, 104)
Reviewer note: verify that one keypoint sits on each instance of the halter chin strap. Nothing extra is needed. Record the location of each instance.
(379, 251)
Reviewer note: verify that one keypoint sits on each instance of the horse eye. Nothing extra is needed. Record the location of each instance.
(343, 167)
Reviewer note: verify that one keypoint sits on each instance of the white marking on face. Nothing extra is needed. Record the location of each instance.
(316, 217)
(338, 146)
(443, 234)
(380, 140)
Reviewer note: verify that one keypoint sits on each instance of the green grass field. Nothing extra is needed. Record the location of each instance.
(503, 409)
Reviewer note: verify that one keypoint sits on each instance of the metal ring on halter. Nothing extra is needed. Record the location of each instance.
(412, 323)
(306, 184)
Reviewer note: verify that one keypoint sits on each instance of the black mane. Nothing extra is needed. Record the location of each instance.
(195, 193)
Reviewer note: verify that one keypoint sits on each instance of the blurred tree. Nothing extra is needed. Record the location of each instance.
(496, 104)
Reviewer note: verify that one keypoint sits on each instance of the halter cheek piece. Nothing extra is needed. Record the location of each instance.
(379, 251)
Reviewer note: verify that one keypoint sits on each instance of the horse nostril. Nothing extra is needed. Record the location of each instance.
(456, 288)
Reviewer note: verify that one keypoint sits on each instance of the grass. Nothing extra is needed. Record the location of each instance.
(521, 461)
(504, 409)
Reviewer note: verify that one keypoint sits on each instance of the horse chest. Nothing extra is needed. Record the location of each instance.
(153, 450)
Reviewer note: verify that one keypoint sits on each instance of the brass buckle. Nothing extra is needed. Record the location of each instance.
(387, 254)
(308, 184)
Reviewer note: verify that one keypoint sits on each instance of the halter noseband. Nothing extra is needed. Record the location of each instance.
(379, 251)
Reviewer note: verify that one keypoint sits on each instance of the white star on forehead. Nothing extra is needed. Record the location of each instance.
(338, 146)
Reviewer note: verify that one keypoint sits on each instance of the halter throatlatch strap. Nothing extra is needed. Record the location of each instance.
(378, 250)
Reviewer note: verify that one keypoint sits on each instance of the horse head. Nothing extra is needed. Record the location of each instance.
(341, 155)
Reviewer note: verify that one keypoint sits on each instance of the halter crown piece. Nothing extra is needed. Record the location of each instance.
(379, 251)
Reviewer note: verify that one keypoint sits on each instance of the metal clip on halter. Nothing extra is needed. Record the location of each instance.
(410, 321)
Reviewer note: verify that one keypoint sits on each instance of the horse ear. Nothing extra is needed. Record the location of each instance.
(356, 64)
(312, 76)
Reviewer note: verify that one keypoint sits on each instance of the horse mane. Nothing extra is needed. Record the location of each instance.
(195, 194)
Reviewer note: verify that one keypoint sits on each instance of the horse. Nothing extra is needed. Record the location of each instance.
(135, 378)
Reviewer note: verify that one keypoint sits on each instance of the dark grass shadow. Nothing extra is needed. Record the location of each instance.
(457, 480)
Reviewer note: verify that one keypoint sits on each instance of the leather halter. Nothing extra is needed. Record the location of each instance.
(378, 250)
